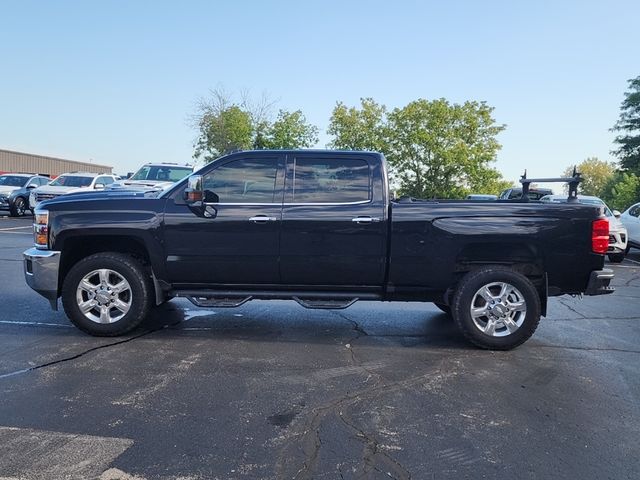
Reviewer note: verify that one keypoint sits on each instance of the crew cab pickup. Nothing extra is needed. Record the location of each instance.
(317, 227)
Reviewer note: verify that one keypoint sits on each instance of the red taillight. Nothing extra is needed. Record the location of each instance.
(600, 236)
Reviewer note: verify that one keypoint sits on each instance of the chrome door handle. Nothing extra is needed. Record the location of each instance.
(262, 219)
(365, 219)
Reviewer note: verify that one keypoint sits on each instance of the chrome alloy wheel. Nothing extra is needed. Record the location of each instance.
(498, 309)
(104, 296)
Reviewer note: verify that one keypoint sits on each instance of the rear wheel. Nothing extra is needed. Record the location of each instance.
(616, 257)
(496, 308)
(19, 207)
(107, 294)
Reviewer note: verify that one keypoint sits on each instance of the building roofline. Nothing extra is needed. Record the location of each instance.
(53, 158)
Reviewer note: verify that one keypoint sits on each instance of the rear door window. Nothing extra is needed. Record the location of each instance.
(330, 180)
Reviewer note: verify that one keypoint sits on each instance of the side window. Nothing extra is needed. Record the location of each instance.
(43, 181)
(248, 180)
(107, 180)
(34, 181)
(330, 180)
(635, 211)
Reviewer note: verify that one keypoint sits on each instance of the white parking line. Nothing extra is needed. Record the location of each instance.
(15, 228)
(9, 322)
(30, 453)
(634, 261)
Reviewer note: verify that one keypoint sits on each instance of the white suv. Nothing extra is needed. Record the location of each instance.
(617, 231)
(155, 176)
(68, 183)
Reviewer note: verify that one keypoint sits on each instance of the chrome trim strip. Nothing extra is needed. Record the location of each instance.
(293, 204)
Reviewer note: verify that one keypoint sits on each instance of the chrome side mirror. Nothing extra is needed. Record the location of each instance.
(616, 213)
(99, 186)
(194, 194)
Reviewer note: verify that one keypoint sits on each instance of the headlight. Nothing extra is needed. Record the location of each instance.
(41, 228)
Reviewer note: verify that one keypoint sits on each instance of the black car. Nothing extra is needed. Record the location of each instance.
(15, 189)
(516, 193)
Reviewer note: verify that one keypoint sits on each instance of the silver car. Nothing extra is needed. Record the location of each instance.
(631, 219)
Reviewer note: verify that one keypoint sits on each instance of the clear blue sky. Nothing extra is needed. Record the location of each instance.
(116, 81)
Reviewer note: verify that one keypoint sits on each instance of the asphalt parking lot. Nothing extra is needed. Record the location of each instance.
(270, 390)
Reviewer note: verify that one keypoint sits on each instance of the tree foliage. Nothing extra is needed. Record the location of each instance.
(621, 191)
(596, 174)
(435, 148)
(628, 125)
(225, 125)
(363, 128)
(289, 130)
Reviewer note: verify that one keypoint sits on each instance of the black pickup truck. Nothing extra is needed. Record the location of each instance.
(317, 227)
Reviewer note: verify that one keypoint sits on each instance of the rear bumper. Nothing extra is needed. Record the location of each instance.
(41, 273)
(599, 282)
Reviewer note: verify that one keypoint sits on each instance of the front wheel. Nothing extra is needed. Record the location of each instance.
(107, 294)
(18, 208)
(616, 257)
(496, 308)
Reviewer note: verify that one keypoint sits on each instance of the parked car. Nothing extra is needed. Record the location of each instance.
(617, 231)
(154, 176)
(516, 193)
(317, 227)
(481, 196)
(68, 183)
(631, 220)
(15, 189)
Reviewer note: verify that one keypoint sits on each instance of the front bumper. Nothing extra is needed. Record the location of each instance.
(617, 242)
(41, 273)
(599, 282)
(5, 203)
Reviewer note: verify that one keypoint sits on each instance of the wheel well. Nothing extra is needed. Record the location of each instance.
(523, 258)
(77, 248)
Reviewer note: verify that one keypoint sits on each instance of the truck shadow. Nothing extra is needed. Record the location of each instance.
(284, 321)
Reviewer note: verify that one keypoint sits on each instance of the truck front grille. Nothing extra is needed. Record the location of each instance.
(41, 197)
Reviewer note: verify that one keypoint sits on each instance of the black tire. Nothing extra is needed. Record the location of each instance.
(465, 294)
(445, 308)
(19, 207)
(140, 291)
(616, 257)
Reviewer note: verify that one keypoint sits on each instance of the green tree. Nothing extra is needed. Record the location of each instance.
(363, 128)
(596, 174)
(289, 130)
(435, 148)
(224, 125)
(227, 130)
(622, 190)
(628, 125)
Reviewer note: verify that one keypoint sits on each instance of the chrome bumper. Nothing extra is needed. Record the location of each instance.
(41, 273)
(599, 282)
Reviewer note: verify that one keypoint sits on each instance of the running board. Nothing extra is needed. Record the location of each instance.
(219, 302)
(325, 304)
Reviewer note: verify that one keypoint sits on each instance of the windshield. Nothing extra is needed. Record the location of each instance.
(161, 173)
(71, 181)
(13, 180)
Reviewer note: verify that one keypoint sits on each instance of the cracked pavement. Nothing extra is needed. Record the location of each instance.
(270, 390)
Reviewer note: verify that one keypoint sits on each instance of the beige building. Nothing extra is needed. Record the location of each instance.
(15, 162)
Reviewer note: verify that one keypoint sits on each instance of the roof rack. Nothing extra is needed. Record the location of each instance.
(572, 181)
